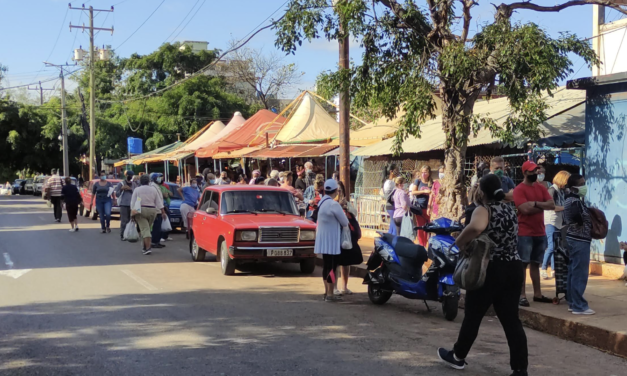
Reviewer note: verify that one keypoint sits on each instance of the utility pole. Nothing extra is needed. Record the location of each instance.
(345, 172)
(64, 132)
(92, 93)
(41, 92)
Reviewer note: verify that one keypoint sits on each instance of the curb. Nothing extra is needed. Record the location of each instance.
(614, 343)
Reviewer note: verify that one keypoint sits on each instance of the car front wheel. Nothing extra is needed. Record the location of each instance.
(227, 264)
(307, 266)
(198, 254)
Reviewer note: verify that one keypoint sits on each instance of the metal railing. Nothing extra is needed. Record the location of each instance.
(371, 213)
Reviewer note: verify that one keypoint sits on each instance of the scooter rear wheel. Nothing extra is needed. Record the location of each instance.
(378, 295)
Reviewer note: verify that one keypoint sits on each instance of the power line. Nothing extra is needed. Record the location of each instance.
(36, 83)
(190, 20)
(55, 42)
(183, 20)
(140, 26)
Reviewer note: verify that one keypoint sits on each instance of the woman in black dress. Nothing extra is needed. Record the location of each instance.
(72, 198)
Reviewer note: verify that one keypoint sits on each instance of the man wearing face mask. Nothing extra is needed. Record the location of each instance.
(124, 192)
(577, 216)
(497, 167)
(532, 199)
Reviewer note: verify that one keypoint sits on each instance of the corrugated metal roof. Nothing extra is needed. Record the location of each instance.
(433, 137)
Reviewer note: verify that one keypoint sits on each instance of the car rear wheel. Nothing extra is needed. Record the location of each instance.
(307, 266)
(198, 254)
(227, 264)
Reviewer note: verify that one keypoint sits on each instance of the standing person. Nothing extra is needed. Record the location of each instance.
(223, 179)
(52, 189)
(241, 180)
(210, 179)
(352, 256)
(190, 200)
(331, 219)
(503, 281)
(578, 236)
(532, 199)
(151, 203)
(274, 174)
(80, 180)
(272, 182)
(387, 192)
(300, 181)
(102, 199)
(542, 176)
(124, 192)
(256, 174)
(422, 194)
(167, 195)
(155, 182)
(286, 183)
(310, 175)
(481, 166)
(553, 219)
(497, 167)
(72, 198)
(313, 195)
(434, 206)
(401, 203)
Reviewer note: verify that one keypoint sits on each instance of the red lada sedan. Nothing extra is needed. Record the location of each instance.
(243, 223)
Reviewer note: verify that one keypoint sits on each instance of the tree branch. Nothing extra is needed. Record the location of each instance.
(467, 4)
(505, 10)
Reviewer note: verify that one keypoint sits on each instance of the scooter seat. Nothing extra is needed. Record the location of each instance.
(406, 248)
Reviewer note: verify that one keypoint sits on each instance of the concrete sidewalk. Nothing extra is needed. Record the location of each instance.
(606, 331)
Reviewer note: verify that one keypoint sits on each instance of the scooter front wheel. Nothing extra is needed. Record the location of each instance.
(377, 295)
(449, 306)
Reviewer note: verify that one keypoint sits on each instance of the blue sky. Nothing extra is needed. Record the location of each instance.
(30, 29)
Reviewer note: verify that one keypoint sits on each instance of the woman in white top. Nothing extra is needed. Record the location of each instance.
(331, 219)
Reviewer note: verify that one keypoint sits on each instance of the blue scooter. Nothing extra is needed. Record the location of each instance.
(395, 266)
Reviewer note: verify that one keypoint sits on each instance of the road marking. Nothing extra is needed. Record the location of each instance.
(7, 260)
(15, 273)
(139, 280)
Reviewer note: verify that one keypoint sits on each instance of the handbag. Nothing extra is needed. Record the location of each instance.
(165, 225)
(347, 243)
(599, 224)
(352, 256)
(130, 232)
(470, 271)
(407, 226)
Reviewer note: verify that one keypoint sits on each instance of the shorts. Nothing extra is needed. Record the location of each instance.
(145, 219)
(531, 249)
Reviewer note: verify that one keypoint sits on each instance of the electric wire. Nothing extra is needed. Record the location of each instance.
(183, 20)
(140, 26)
(190, 20)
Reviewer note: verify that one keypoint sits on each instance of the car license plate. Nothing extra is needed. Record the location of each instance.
(174, 220)
(280, 252)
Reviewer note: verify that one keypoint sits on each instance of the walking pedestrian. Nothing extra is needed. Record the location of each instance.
(553, 220)
(52, 190)
(387, 193)
(331, 219)
(167, 195)
(578, 236)
(102, 192)
(72, 198)
(497, 167)
(150, 205)
(190, 200)
(423, 186)
(124, 192)
(401, 203)
(155, 182)
(503, 281)
(351, 256)
(434, 205)
(532, 199)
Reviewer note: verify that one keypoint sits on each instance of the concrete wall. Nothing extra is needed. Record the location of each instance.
(606, 165)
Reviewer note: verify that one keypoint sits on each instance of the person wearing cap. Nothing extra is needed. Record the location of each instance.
(253, 180)
(124, 192)
(532, 199)
(331, 220)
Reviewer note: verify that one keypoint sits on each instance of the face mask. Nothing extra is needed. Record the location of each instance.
(212, 181)
(499, 173)
(540, 177)
(103, 177)
(581, 191)
(442, 175)
(194, 185)
(532, 178)
(159, 180)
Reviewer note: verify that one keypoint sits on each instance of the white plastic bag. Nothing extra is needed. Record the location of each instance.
(347, 242)
(130, 232)
(138, 205)
(165, 225)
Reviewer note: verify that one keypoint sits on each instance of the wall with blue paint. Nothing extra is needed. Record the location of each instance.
(606, 165)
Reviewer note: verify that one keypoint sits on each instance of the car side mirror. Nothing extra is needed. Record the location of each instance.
(211, 210)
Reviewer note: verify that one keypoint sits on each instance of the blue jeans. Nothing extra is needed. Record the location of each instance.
(156, 229)
(392, 229)
(103, 205)
(550, 248)
(578, 269)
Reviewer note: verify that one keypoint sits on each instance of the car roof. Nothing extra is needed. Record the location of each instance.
(241, 187)
(109, 180)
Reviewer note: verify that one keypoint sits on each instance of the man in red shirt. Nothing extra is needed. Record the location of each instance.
(532, 199)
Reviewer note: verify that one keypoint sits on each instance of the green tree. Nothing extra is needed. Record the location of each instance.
(412, 49)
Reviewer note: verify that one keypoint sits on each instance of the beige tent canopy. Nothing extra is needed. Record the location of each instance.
(433, 137)
(309, 122)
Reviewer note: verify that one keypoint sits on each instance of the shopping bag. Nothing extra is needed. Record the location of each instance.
(49, 203)
(138, 205)
(347, 243)
(407, 226)
(130, 232)
(165, 225)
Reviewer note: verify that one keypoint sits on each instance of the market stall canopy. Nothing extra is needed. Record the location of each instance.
(292, 151)
(252, 133)
(139, 159)
(309, 122)
(562, 120)
(382, 128)
(235, 123)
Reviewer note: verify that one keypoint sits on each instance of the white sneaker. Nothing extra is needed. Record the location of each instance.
(337, 292)
(586, 312)
(169, 239)
(570, 309)
(346, 292)
(163, 240)
(544, 274)
(552, 274)
(72, 230)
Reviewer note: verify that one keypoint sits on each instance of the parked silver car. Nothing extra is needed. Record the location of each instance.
(29, 186)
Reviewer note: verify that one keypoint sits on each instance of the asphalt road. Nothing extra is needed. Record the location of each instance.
(88, 304)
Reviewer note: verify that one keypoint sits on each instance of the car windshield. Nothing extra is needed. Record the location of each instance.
(175, 194)
(29, 181)
(39, 180)
(258, 202)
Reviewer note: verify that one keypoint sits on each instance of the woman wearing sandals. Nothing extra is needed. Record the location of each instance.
(331, 220)
(504, 278)
(351, 256)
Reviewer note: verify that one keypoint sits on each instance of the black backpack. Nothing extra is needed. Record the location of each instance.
(314, 215)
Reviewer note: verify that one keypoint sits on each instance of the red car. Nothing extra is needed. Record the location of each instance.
(242, 223)
(88, 199)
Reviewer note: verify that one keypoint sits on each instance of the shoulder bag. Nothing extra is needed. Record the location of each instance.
(599, 224)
